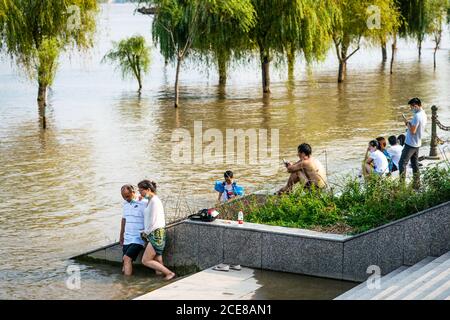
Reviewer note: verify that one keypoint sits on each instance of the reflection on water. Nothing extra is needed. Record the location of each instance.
(59, 192)
(288, 286)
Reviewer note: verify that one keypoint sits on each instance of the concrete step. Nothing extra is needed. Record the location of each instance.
(441, 293)
(413, 279)
(386, 283)
(362, 287)
(424, 285)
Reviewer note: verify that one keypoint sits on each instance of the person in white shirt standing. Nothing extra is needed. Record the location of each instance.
(154, 230)
(132, 224)
(395, 151)
(376, 160)
(414, 133)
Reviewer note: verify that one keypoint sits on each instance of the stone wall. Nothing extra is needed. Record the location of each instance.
(403, 242)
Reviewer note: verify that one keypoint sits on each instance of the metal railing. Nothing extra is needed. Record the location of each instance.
(435, 140)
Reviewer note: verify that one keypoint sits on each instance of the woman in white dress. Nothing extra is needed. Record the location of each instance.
(154, 232)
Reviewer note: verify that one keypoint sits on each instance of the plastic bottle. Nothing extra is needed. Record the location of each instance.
(241, 217)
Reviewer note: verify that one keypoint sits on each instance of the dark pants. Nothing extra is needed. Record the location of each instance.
(410, 153)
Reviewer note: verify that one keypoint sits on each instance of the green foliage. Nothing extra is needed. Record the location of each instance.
(132, 56)
(35, 32)
(351, 23)
(48, 54)
(302, 24)
(360, 206)
(224, 39)
(180, 25)
(437, 12)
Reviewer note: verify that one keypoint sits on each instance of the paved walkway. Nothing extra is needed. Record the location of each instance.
(209, 285)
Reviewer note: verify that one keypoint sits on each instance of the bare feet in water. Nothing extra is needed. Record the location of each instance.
(169, 276)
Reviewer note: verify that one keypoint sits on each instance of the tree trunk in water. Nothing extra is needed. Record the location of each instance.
(222, 71)
(420, 49)
(265, 68)
(140, 85)
(384, 51)
(291, 63)
(394, 49)
(342, 56)
(177, 75)
(42, 94)
(42, 102)
(434, 56)
(342, 70)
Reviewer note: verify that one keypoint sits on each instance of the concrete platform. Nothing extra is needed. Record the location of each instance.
(209, 285)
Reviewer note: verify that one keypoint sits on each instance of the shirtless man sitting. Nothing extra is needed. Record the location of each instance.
(308, 171)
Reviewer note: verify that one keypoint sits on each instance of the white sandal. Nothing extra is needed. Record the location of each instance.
(222, 267)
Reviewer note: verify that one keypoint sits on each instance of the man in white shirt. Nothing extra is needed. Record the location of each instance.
(415, 132)
(131, 226)
(395, 151)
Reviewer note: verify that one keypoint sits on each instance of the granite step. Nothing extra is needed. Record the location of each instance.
(362, 287)
(411, 280)
(441, 293)
(385, 284)
(424, 285)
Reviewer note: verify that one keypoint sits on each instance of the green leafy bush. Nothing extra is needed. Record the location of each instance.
(360, 206)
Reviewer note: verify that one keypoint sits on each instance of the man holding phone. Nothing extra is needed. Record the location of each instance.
(414, 133)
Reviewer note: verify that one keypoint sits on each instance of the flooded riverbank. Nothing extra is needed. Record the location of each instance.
(59, 188)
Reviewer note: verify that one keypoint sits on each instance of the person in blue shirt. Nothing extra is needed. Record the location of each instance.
(414, 134)
(228, 189)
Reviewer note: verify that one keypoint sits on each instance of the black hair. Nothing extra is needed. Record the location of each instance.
(228, 174)
(401, 139)
(392, 140)
(305, 148)
(415, 101)
(381, 143)
(127, 187)
(374, 143)
(147, 185)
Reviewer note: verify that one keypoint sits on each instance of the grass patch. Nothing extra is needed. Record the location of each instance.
(358, 207)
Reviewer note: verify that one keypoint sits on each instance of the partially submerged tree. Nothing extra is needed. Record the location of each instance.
(390, 21)
(227, 40)
(314, 37)
(286, 26)
(132, 56)
(437, 11)
(356, 21)
(179, 24)
(36, 32)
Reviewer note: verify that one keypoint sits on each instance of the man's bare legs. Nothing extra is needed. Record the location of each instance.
(127, 266)
(294, 178)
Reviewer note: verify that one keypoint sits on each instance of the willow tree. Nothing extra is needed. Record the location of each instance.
(132, 56)
(3, 4)
(358, 19)
(314, 37)
(179, 24)
(437, 11)
(416, 21)
(227, 40)
(390, 20)
(36, 32)
(284, 27)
